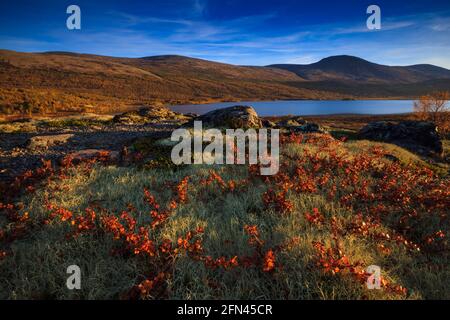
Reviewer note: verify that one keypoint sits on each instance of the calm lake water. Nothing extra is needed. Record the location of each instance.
(308, 107)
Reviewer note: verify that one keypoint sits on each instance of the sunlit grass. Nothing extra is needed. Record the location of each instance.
(38, 264)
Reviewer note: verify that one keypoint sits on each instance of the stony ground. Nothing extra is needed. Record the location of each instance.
(17, 156)
(19, 153)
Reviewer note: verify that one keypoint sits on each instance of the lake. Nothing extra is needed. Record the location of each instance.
(308, 107)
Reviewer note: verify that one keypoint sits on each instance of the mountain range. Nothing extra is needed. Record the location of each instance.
(55, 81)
(353, 69)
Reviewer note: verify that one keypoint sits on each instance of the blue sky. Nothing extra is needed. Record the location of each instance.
(246, 32)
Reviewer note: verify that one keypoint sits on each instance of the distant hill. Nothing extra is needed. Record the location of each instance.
(65, 81)
(348, 68)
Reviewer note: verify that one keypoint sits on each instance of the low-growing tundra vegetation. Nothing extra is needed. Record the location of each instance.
(226, 232)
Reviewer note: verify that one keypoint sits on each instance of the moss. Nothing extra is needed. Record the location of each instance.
(17, 127)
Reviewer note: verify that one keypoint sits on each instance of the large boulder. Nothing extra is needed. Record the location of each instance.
(233, 117)
(418, 136)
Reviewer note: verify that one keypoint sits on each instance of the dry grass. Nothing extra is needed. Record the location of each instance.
(36, 265)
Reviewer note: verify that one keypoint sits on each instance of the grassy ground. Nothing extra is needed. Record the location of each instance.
(314, 231)
(30, 125)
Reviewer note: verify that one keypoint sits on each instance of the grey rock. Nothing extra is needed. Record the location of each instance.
(418, 136)
(288, 123)
(156, 113)
(191, 115)
(310, 128)
(232, 117)
(268, 124)
(298, 124)
(131, 117)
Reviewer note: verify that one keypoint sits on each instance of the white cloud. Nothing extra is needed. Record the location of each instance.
(440, 24)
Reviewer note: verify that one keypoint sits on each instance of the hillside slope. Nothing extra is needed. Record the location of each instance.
(59, 80)
(64, 81)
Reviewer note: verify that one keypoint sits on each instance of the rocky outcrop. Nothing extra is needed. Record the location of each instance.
(43, 142)
(418, 136)
(233, 117)
(268, 124)
(150, 115)
(310, 128)
(298, 124)
(291, 122)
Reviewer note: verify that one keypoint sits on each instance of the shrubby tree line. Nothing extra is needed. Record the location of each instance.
(434, 107)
